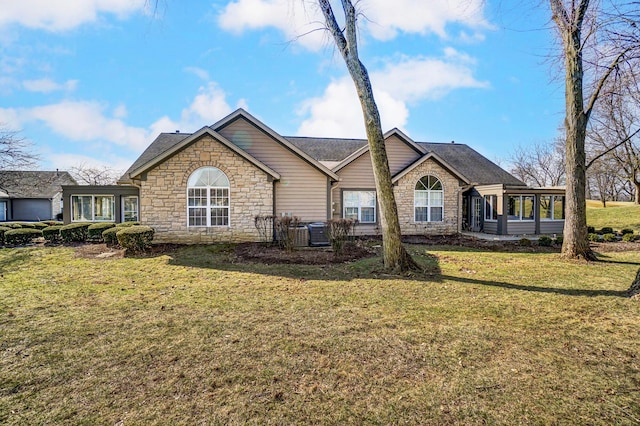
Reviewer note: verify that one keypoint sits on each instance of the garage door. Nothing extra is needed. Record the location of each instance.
(31, 209)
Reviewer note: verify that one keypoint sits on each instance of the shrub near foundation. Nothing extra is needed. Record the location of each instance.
(52, 233)
(109, 235)
(135, 238)
(21, 236)
(74, 232)
(3, 229)
(94, 232)
(127, 224)
(629, 237)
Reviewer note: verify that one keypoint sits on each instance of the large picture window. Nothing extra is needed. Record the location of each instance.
(428, 200)
(521, 207)
(92, 208)
(490, 207)
(208, 198)
(552, 207)
(359, 205)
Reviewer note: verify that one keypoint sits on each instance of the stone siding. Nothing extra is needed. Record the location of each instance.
(404, 190)
(163, 195)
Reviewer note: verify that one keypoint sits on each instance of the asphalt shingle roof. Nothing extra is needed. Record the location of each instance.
(34, 184)
(475, 167)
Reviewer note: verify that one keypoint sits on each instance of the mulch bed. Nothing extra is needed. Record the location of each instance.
(258, 252)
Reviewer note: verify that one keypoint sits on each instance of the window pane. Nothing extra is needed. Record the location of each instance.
(558, 207)
(367, 214)
(514, 208)
(367, 199)
(421, 198)
(494, 205)
(436, 214)
(487, 207)
(421, 214)
(350, 198)
(219, 197)
(130, 209)
(104, 208)
(197, 197)
(81, 208)
(528, 203)
(423, 184)
(436, 198)
(546, 208)
(197, 216)
(435, 184)
(351, 213)
(219, 216)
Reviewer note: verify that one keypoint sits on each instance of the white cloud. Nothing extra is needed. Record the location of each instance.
(198, 72)
(59, 16)
(401, 82)
(46, 85)
(384, 18)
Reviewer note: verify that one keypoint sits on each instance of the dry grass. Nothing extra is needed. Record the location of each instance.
(192, 337)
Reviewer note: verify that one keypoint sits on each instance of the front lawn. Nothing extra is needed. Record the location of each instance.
(194, 336)
(618, 215)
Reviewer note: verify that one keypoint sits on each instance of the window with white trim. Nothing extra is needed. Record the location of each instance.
(130, 208)
(552, 207)
(521, 207)
(93, 208)
(428, 200)
(208, 198)
(359, 205)
(490, 207)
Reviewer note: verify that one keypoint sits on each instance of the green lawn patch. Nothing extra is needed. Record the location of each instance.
(194, 336)
(617, 215)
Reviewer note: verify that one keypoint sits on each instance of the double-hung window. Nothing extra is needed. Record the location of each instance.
(208, 198)
(428, 200)
(359, 205)
(521, 207)
(552, 207)
(93, 208)
(130, 208)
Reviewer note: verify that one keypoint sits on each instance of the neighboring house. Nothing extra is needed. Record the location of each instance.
(210, 185)
(32, 195)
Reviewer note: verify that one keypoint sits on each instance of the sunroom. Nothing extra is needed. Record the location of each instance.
(516, 210)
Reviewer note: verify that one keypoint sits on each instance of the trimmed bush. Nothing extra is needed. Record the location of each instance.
(591, 230)
(109, 235)
(593, 237)
(12, 225)
(52, 233)
(127, 224)
(627, 238)
(3, 229)
(606, 230)
(545, 241)
(94, 232)
(40, 225)
(21, 236)
(135, 238)
(525, 242)
(53, 222)
(609, 237)
(559, 240)
(30, 225)
(626, 231)
(74, 232)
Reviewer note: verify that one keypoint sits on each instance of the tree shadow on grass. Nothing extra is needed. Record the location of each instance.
(536, 289)
(13, 257)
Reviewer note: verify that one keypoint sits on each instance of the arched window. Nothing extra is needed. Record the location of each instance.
(428, 200)
(208, 198)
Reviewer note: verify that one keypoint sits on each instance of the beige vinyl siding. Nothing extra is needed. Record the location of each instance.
(302, 189)
(399, 154)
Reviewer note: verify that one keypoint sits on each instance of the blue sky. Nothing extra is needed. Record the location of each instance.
(94, 81)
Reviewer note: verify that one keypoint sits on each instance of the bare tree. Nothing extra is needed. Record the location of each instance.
(605, 35)
(395, 256)
(616, 132)
(541, 164)
(94, 175)
(16, 153)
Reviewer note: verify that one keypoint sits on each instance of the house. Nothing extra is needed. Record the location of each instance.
(32, 195)
(208, 186)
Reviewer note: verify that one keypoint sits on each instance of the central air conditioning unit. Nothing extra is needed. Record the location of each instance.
(318, 234)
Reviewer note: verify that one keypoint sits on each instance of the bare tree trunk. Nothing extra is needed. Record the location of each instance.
(395, 256)
(637, 194)
(575, 242)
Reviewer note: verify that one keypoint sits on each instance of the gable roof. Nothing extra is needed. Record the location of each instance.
(428, 156)
(168, 144)
(34, 184)
(241, 113)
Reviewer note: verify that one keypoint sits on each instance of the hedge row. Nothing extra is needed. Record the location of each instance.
(19, 233)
